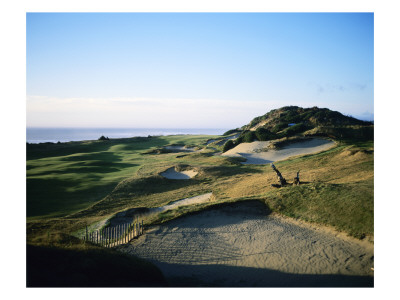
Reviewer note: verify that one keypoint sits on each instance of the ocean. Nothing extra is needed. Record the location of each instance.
(54, 135)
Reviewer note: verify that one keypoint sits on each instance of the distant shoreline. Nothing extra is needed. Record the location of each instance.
(36, 135)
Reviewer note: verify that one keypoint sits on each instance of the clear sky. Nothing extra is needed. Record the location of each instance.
(194, 70)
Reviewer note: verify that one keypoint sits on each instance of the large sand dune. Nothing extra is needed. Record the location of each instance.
(241, 245)
(258, 152)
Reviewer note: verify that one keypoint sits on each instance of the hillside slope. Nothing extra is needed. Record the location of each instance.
(293, 120)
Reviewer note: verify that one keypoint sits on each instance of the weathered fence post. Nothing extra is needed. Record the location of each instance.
(124, 230)
(113, 236)
(117, 236)
(120, 234)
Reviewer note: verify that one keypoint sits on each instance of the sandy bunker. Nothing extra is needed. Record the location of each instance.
(241, 245)
(181, 149)
(171, 173)
(257, 152)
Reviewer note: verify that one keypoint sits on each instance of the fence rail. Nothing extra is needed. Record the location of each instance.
(113, 236)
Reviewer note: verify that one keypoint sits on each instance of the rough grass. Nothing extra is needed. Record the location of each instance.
(347, 207)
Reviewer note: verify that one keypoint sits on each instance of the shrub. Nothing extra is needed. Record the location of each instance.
(228, 145)
(263, 134)
(232, 131)
(247, 137)
(296, 129)
(280, 126)
(103, 138)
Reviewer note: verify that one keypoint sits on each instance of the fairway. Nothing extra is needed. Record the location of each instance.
(65, 178)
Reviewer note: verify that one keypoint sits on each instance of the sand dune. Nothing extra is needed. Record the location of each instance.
(258, 152)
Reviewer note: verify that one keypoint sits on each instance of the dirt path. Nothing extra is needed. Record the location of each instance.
(241, 245)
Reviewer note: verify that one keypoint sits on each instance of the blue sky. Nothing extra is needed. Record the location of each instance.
(194, 70)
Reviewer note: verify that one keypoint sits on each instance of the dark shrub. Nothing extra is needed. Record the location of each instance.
(296, 129)
(280, 126)
(263, 134)
(232, 131)
(247, 137)
(228, 145)
(103, 138)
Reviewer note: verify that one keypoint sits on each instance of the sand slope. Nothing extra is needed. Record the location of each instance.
(172, 174)
(257, 152)
(240, 245)
(186, 201)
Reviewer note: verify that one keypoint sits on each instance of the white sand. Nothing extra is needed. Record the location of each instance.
(240, 245)
(172, 174)
(257, 152)
(185, 202)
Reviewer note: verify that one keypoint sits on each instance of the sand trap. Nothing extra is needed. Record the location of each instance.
(184, 175)
(184, 202)
(181, 149)
(257, 152)
(241, 245)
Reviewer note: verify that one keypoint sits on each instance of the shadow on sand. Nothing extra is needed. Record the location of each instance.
(231, 276)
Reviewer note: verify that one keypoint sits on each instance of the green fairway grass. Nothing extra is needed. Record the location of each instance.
(68, 177)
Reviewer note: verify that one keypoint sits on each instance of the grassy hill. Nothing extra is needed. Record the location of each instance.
(289, 121)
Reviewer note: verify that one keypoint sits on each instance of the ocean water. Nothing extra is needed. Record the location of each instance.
(54, 135)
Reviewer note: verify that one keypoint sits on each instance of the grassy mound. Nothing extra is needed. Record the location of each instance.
(347, 207)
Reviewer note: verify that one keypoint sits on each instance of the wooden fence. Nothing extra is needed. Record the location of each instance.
(113, 236)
